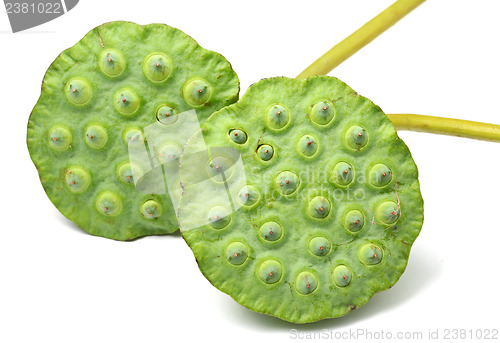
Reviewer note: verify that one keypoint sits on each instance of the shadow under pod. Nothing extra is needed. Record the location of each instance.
(422, 262)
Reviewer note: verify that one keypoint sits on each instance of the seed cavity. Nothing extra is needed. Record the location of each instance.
(270, 231)
(238, 136)
(196, 92)
(356, 137)
(108, 203)
(370, 254)
(237, 253)
(287, 182)
(388, 212)
(270, 271)
(342, 174)
(322, 113)
(306, 283)
(111, 62)
(60, 138)
(342, 276)
(277, 117)
(78, 91)
(77, 179)
(157, 67)
(265, 152)
(320, 246)
(126, 102)
(151, 209)
(166, 115)
(218, 217)
(354, 221)
(380, 175)
(96, 136)
(248, 195)
(319, 207)
(307, 145)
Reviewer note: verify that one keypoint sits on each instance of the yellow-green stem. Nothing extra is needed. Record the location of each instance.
(360, 38)
(446, 126)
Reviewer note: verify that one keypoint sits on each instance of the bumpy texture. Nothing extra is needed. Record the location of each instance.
(332, 205)
(96, 97)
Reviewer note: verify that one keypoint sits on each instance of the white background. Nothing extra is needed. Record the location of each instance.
(58, 284)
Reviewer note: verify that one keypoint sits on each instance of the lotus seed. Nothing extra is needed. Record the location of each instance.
(126, 172)
(306, 283)
(109, 203)
(197, 92)
(388, 212)
(238, 136)
(126, 102)
(370, 254)
(96, 136)
(218, 217)
(237, 253)
(77, 179)
(169, 153)
(287, 182)
(157, 67)
(219, 168)
(308, 145)
(319, 207)
(78, 91)
(342, 174)
(322, 113)
(356, 137)
(270, 271)
(265, 152)
(133, 138)
(112, 62)
(354, 221)
(380, 175)
(270, 231)
(60, 138)
(248, 195)
(320, 246)
(151, 209)
(342, 276)
(277, 117)
(166, 115)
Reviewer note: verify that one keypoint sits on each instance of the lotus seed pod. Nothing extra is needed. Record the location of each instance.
(97, 99)
(265, 152)
(339, 243)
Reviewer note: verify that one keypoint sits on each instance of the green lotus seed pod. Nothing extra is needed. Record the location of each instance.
(287, 182)
(197, 92)
(322, 113)
(60, 138)
(336, 249)
(319, 207)
(78, 91)
(271, 231)
(320, 246)
(354, 221)
(157, 67)
(77, 179)
(265, 152)
(306, 283)
(270, 271)
(112, 62)
(237, 253)
(307, 146)
(380, 175)
(238, 136)
(166, 115)
(96, 136)
(342, 174)
(277, 117)
(248, 195)
(342, 276)
(97, 99)
(151, 209)
(370, 254)
(356, 137)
